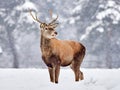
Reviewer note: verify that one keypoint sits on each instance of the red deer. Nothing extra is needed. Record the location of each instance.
(56, 53)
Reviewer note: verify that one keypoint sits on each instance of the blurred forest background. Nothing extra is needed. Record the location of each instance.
(95, 23)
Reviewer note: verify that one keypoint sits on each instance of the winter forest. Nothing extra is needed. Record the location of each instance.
(95, 23)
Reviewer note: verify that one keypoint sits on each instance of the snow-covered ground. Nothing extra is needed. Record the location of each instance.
(38, 79)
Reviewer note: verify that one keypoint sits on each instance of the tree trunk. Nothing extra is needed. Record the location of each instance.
(13, 49)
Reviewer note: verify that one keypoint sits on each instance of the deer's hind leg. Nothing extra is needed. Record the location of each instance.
(80, 60)
(75, 66)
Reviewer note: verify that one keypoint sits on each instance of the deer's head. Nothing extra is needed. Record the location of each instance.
(47, 30)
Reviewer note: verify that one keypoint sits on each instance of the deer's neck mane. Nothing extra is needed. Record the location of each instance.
(46, 47)
(45, 43)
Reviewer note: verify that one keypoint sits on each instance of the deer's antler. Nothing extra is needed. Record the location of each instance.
(35, 18)
(53, 21)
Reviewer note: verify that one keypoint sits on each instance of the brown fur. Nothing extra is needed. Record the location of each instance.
(56, 53)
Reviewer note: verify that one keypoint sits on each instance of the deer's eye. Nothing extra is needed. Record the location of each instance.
(46, 28)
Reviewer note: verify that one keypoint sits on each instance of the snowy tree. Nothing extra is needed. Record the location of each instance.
(95, 23)
(102, 32)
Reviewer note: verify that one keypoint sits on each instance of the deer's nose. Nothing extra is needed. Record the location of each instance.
(56, 33)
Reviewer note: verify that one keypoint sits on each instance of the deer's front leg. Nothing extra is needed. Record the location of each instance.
(52, 74)
(57, 72)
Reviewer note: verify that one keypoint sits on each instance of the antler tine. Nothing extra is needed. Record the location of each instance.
(36, 19)
(50, 12)
(53, 20)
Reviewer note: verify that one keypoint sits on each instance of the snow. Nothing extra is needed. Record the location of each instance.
(9, 20)
(111, 3)
(28, 4)
(101, 6)
(111, 10)
(2, 10)
(77, 8)
(72, 21)
(38, 79)
(100, 29)
(1, 49)
(107, 12)
(26, 16)
(89, 29)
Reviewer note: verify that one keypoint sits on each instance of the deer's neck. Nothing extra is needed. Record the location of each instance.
(46, 47)
(45, 43)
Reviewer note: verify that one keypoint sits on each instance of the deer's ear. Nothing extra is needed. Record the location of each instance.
(41, 25)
